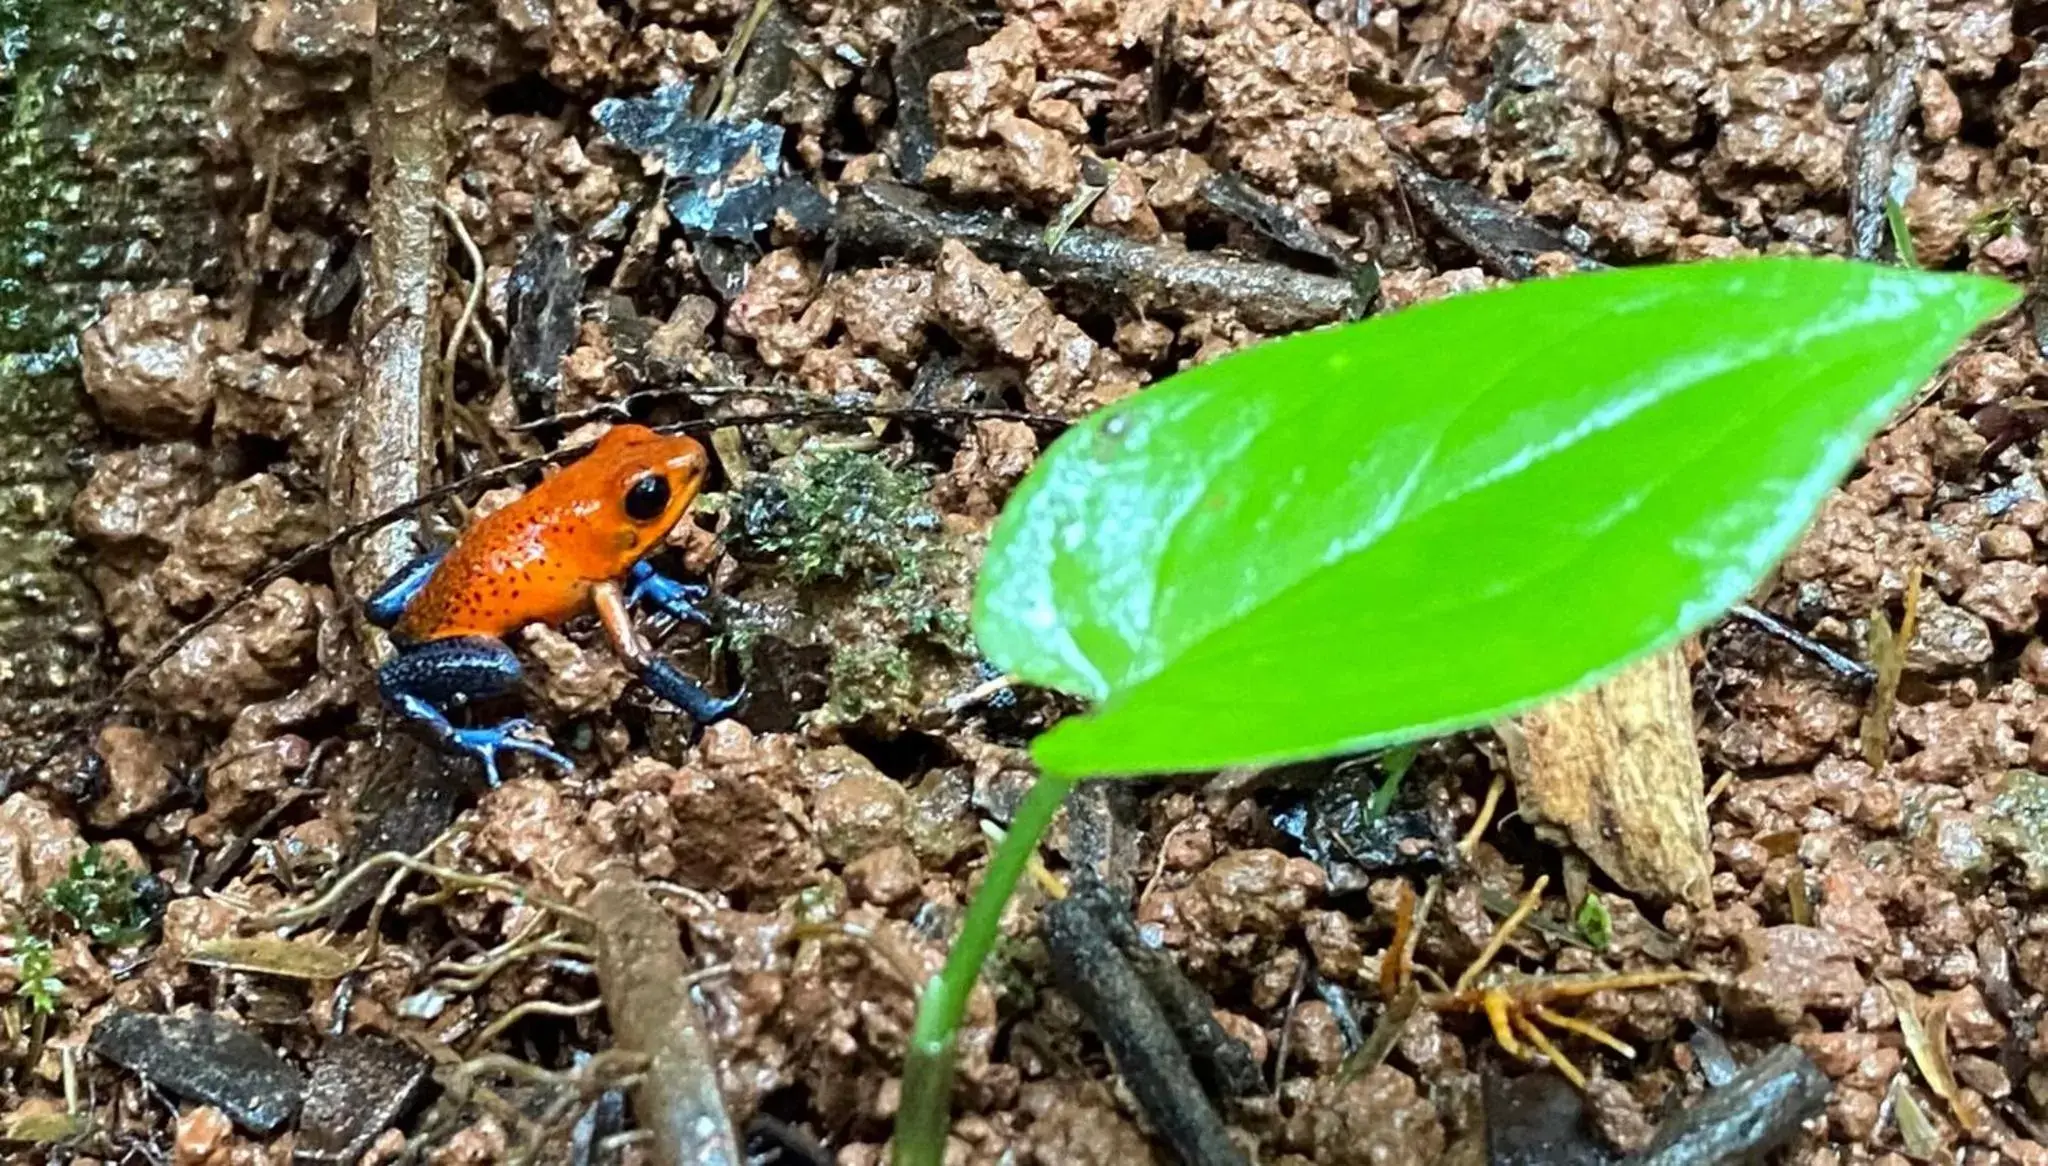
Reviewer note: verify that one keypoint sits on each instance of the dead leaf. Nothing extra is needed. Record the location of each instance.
(1925, 1026)
(297, 959)
(40, 1122)
(1888, 656)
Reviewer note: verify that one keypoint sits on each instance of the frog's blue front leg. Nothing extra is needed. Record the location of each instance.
(391, 599)
(677, 599)
(425, 680)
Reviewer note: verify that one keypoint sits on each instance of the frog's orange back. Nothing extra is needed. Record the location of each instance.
(537, 559)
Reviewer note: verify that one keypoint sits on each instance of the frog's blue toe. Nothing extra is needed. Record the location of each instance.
(485, 744)
(677, 599)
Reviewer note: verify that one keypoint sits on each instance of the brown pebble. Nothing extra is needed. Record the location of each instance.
(1983, 1075)
(2034, 663)
(202, 1138)
(2005, 541)
(1941, 114)
(1247, 1031)
(884, 877)
(1853, 1114)
(1789, 971)
(1970, 1023)
(1314, 1038)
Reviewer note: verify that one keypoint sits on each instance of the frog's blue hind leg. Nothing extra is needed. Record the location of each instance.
(668, 682)
(425, 679)
(390, 600)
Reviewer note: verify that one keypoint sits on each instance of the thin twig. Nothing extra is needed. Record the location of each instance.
(400, 858)
(1501, 934)
(534, 1008)
(734, 52)
(457, 415)
(469, 303)
(1486, 808)
(1833, 660)
(1287, 1027)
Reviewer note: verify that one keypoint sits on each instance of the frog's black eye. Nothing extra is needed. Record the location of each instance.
(647, 498)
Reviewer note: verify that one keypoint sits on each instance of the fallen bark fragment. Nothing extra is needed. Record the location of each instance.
(937, 42)
(1103, 832)
(1616, 772)
(206, 1059)
(1876, 148)
(1276, 220)
(1093, 973)
(888, 219)
(1505, 239)
(1539, 1119)
(407, 804)
(1757, 1112)
(726, 173)
(644, 978)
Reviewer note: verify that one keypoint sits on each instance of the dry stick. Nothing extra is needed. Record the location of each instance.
(400, 858)
(1394, 964)
(644, 980)
(388, 455)
(1287, 1028)
(893, 220)
(721, 98)
(496, 475)
(1148, 1055)
(1222, 1062)
(1834, 661)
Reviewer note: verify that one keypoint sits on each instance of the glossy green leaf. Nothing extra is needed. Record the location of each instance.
(1424, 521)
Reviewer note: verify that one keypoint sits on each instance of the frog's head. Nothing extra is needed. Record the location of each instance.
(644, 482)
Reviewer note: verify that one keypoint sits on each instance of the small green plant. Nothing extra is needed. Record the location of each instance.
(1394, 766)
(836, 514)
(1595, 923)
(101, 897)
(1989, 224)
(1901, 232)
(1420, 523)
(36, 971)
(862, 533)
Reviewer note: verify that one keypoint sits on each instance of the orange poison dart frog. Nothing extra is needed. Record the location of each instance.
(571, 543)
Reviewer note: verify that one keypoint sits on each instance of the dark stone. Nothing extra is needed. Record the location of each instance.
(360, 1086)
(206, 1059)
(716, 194)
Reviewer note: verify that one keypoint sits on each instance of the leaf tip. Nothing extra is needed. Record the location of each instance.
(1976, 299)
(1995, 296)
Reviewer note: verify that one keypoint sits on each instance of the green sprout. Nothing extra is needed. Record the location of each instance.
(35, 967)
(101, 898)
(1595, 923)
